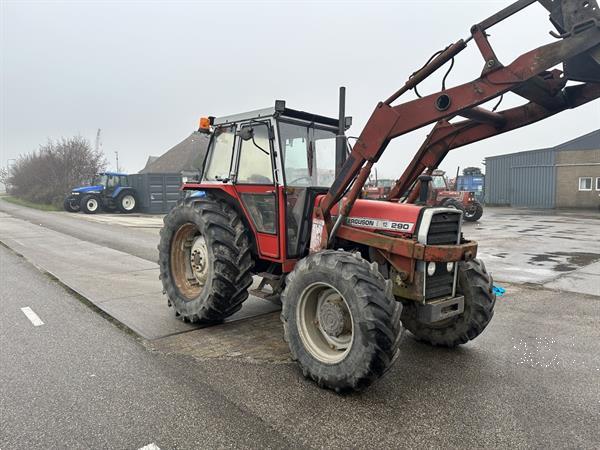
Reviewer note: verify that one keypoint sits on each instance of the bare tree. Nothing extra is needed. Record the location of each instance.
(4, 177)
(47, 175)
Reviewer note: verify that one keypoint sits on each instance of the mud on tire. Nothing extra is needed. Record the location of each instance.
(373, 312)
(224, 256)
(475, 283)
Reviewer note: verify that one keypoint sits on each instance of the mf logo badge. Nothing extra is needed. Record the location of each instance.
(367, 222)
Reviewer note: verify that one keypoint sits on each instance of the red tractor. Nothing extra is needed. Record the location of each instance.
(280, 200)
(442, 195)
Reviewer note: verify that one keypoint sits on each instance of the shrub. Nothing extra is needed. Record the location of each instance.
(47, 175)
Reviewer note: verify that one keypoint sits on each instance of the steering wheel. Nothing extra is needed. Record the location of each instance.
(305, 177)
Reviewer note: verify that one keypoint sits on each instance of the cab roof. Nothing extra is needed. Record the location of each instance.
(114, 174)
(277, 111)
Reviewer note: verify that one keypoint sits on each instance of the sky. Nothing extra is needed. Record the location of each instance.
(145, 71)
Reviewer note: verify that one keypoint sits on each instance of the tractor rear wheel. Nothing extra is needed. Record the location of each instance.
(475, 283)
(90, 204)
(340, 320)
(126, 203)
(71, 204)
(473, 212)
(205, 260)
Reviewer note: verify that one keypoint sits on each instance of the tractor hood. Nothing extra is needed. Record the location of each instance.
(86, 189)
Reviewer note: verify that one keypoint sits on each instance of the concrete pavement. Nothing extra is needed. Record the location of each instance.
(122, 285)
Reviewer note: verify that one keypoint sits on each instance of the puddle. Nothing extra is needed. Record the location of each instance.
(574, 260)
(580, 258)
(564, 268)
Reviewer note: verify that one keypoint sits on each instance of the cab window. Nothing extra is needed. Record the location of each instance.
(218, 164)
(255, 157)
(308, 155)
(113, 181)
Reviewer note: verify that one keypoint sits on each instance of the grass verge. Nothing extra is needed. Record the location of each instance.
(21, 202)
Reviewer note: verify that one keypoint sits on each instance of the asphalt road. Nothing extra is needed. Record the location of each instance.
(78, 381)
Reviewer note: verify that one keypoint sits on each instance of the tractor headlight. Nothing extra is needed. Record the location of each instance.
(430, 268)
(450, 266)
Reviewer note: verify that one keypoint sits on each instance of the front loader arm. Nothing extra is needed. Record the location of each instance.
(447, 136)
(528, 76)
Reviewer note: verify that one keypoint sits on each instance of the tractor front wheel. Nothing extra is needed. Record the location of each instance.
(205, 260)
(475, 283)
(452, 203)
(340, 320)
(71, 204)
(90, 204)
(473, 212)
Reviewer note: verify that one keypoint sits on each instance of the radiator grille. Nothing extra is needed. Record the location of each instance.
(443, 230)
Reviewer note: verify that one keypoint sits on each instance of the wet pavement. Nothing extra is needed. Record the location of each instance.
(559, 250)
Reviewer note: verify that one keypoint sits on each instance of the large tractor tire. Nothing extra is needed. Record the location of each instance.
(340, 320)
(205, 260)
(475, 283)
(126, 202)
(473, 212)
(90, 204)
(452, 203)
(71, 204)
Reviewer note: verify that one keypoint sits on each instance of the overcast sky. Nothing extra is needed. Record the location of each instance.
(144, 72)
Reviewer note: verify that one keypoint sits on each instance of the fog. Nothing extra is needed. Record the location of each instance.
(144, 72)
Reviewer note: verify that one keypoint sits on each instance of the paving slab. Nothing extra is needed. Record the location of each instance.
(124, 286)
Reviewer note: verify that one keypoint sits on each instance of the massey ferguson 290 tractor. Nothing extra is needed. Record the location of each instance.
(280, 201)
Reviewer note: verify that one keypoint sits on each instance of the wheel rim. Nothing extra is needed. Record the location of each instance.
(189, 261)
(325, 323)
(469, 213)
(128, 202)
(73, 204)
(92, 204)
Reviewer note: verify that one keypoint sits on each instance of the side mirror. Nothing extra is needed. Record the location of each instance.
(245, 133)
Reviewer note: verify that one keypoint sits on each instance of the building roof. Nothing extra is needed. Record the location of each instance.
(186, 156)
(150, 160)
(589, 141)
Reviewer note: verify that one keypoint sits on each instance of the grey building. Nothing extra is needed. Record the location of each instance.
(565, 176)
(158, 184)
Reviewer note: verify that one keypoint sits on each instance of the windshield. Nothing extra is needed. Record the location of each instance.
(100, 180)
(308, 154)
(439, 182)
(220, 153)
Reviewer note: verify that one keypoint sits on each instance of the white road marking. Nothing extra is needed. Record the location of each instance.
(33, 317)
(152, 446)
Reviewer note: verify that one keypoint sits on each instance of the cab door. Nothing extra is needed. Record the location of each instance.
(256, 185)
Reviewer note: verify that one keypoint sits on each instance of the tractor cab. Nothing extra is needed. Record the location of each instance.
(274, 162)
(439, 181)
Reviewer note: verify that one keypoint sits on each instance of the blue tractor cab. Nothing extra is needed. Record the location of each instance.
(109, 191)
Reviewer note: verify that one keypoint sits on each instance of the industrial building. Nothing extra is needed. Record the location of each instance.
(565, 176)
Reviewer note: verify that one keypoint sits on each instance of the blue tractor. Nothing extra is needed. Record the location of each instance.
(108, 191)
